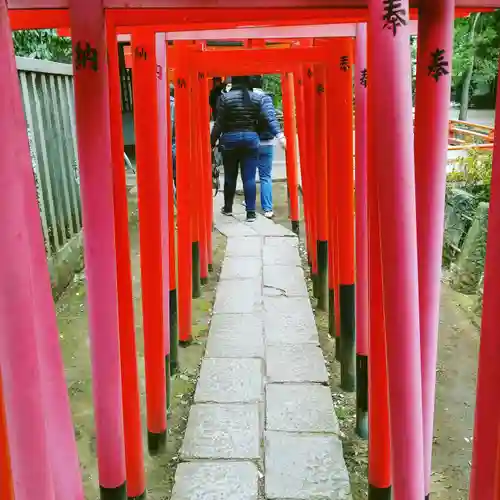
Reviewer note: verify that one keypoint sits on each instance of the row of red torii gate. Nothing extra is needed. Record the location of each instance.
(386, 326)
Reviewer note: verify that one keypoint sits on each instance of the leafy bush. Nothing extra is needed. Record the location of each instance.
(473, 173)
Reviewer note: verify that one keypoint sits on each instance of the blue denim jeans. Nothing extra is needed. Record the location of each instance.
(240, 150)
(266, 153)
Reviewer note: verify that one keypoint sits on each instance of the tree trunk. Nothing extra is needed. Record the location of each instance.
(465, 95)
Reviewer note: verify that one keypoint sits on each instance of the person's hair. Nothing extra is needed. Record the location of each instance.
(257, 81)
(243, 83)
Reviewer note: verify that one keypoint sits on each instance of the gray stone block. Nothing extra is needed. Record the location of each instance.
(241, 268)
(266, 227)
(216, 481)
(239, 296)
(303, 467)
(300, 408)
(279, 241)
(295, 363)
(245, 246)
(230, 381)
(281, 255)
(236, 336)
(280, 328)
(289, 305)
(222, 431)
(289, 279)
(231, 226)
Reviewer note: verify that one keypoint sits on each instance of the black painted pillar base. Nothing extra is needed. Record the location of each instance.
(296, 227)
(168, 381)
(322, 252)
(427, 496)
(140, 497)
(314, 279)
(348, 335)
(338, 352)
(118, 493)
(210, 268)
(331, 312)
(375, 493)
(196, 269)
(362, 396)
(204, 281)
(174, 334)
(156, 442)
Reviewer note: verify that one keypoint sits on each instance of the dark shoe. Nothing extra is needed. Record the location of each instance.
(226, 212)
(251, 216)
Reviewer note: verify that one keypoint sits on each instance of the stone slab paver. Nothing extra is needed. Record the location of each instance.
(295, 363)
(236, 336)
(300, 408)
(244, 246)
(217, 431)
(302, 466)
(216, 481)
(241, 268)
(230, 381)
(275, 241)
(280, 328)
(281, 255)
(288, 279)
(239, 296)
(289, 320)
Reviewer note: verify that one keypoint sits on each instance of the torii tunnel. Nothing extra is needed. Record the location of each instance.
(388, 198)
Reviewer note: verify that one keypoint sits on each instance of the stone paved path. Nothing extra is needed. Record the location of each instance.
(262, 425)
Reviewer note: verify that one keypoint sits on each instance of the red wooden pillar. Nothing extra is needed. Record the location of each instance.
(291, 150)
(184, 199)
(22, 380)
(196, 205)
(132, 427)
(435, 35)
(207, 169)
(342, 96)
(96, 187)
(163, 153)
(379, 442)
(148, 188)
(309, 134)
(321, 156)
(6, 485)
(201, 127)
(333, 247)
(172, 303)
(485, 465)
(391, 141)
(304, 171)
(362, 301)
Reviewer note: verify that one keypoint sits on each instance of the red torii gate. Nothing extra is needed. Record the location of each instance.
(393, 195)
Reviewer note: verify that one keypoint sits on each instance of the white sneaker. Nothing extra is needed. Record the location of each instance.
(269, 214)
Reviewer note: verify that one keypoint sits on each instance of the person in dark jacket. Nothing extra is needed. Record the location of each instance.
(215, 94)
(240, 114)
(266, 153)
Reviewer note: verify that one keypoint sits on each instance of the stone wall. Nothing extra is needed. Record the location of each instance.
(466, 230)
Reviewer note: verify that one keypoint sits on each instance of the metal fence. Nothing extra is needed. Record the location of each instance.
(47, 91)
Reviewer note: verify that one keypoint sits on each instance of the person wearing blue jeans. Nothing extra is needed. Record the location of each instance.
(240, 113)
(266, 152)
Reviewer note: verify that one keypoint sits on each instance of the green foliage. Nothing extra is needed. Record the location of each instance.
(42, 44)
(473, 172)
(482, 50)
(272, 85)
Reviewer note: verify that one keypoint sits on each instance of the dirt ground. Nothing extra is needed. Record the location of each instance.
(455, 391)
(458, 347)
(72, 319)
